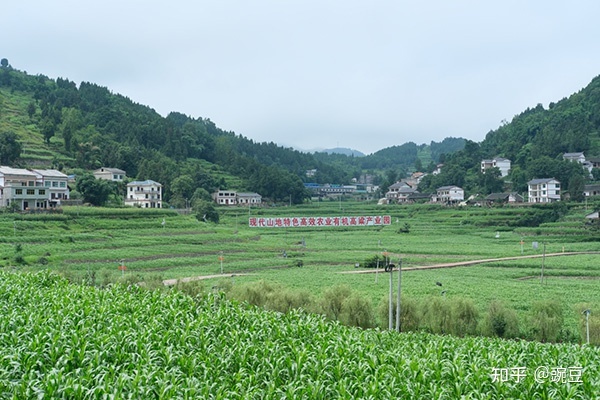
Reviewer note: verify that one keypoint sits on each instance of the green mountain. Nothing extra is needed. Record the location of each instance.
(77, 129)
(80, 128)
(534, 141)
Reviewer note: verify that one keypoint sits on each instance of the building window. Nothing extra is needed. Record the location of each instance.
(42, 192)
(54, 184)
(31, 183)
(30, 192)
(63, 184)
(18, 191)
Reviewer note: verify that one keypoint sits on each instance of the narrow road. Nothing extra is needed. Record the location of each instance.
(171, 282)
(473, 262)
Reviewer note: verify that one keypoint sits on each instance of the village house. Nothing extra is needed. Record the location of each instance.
(503, 164)
(249, 199)
(232, 198)
(448, 195)
(56, 184)
(580, 158)
(397, 191)
(31, 190)
(144, 194)
(545, 190)
(110, 174)
(591, 190)
(504, 198)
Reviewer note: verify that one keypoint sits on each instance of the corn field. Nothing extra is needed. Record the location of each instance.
(59, 340)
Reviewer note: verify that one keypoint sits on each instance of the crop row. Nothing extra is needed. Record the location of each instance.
(132, 343)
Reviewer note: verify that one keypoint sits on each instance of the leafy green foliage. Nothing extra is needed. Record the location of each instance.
(10, 148)
(205, 211)
(500, 321)
(547, 320)
(128, 342)
(94, 191)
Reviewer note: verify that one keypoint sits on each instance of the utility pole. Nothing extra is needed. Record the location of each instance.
(391, 312)
(543, 262)
(398, 296)
(587, 325)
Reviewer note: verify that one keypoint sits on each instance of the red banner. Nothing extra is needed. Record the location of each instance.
(318, 222)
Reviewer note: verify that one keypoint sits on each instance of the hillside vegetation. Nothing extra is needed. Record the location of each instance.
(534, 141)
(74, 128)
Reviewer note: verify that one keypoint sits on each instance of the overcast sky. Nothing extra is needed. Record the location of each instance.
(311, 74)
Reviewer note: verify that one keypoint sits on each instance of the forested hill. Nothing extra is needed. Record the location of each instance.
(60, 125)
(534, 141)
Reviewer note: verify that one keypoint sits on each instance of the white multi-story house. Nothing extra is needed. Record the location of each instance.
(225, 197)
(144, 194)
(449, 195)
(110, 174)
(544, 190)
(22, 187)
(503, 164)
(55, 183)
(399, 192)
(580, 158)
(232, 198)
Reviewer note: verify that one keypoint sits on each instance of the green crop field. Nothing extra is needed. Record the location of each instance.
(73, 341)
(88, 245)
(96, 340)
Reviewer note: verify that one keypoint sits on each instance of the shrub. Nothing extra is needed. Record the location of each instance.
(255, 293)
(192, 289)
(286, 300)
(500, 321)
(20, 260)
(463, 317)
(357, 311)
(546, 320)
(374, 262)
(332, 301)
(410, 315)
(205, 211)
(436, 315)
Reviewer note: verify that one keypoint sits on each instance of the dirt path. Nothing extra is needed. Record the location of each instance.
(171, 282)
(473, 262)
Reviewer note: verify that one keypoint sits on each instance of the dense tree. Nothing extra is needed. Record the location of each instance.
(10, 148)
(98, 128)
(205, 211)
(491, 181)
(577, 187)
(31, 109)
(94, 191)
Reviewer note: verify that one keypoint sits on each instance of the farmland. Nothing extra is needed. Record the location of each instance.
(95, 339)
(88, 245)
(127, 342)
